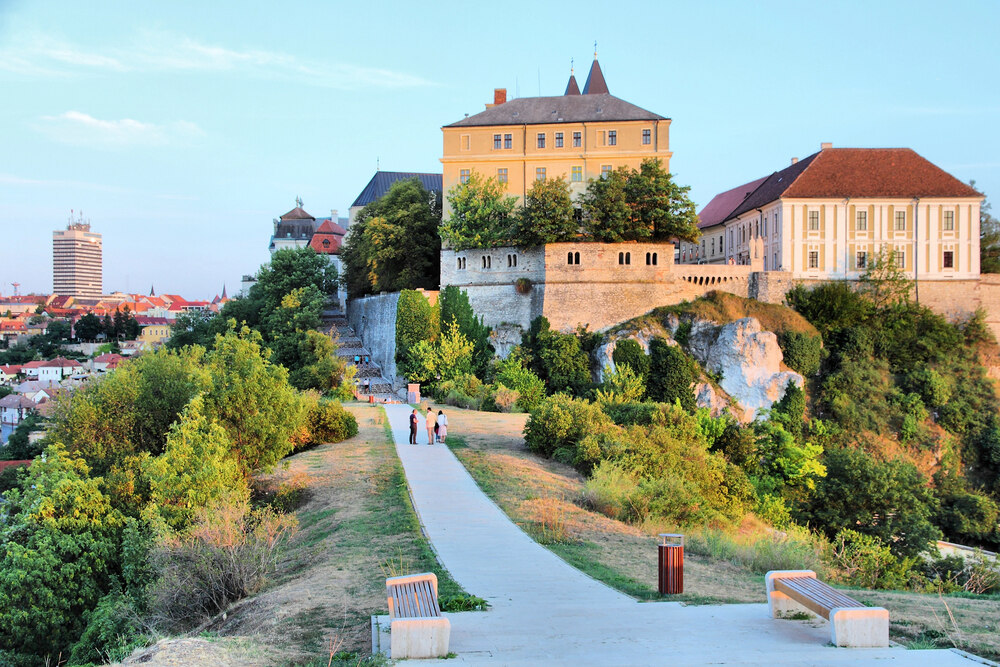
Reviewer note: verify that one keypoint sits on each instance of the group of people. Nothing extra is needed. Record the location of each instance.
(437, 426)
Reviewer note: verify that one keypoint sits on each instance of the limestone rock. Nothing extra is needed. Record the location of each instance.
(707, 397)
(749, 361)
(604, 354)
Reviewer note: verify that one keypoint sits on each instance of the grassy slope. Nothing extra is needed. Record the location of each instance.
(543, 496)
(356, 527)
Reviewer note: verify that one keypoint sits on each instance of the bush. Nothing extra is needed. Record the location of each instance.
(114, 629)
(865, 561)
(505, 398)
(671, 374)
(511, 373)
(762, 551)
(802, 351)
(561, 422)
(328, 421)
(628, 414)
(557, 358)
(623, 385)
(226, 556)
(464, 391)
(628, 352)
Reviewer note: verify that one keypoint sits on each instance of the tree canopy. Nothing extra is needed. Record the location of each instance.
(547, 216)
(481, 214)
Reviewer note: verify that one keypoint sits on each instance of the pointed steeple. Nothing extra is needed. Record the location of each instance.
(571, 87)
(152, 291)
(595, 80)
(224, 297)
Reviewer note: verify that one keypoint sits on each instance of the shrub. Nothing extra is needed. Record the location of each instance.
(114, 629)
(628, 414)
(227, 555)
(865, 561)
(671, 374)
(623, 385)
(762, 551)
(414, 322)
(465, 391)
(328, 421)
(557, 358)
(802, 351)
(505, 398)
(529, 387)
(628, 352)
(562, 422)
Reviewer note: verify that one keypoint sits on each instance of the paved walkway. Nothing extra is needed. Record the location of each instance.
(545, 612)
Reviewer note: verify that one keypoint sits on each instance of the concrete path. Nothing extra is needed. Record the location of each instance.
(545, 612)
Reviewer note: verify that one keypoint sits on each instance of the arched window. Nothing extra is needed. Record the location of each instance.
(649, 258)
(621, 258)
(628, 258)
(569, 258)
(458, 263)
(654, 259)
(576, 258)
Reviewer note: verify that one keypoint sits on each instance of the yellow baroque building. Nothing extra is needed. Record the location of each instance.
(576, 136)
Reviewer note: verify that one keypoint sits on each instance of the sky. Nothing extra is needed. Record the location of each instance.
(182, 129)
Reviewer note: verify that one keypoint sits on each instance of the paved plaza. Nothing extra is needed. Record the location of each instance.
(545, 612)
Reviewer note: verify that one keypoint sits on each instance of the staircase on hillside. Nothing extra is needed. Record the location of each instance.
(368, 379)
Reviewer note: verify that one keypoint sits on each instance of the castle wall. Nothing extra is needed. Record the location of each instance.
(373, 319)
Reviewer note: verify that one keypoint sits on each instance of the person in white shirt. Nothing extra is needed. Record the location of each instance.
(442, 422)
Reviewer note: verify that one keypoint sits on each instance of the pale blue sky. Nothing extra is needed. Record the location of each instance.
(182, 128)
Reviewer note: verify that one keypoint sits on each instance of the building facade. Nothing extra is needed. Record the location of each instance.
(77, 260)
(829, 215)
(576, 136)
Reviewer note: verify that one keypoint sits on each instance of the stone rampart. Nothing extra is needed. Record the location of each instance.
(373, 319)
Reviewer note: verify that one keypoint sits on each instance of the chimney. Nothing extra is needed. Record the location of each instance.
(499, 96)
(794, 160)
(826, 144)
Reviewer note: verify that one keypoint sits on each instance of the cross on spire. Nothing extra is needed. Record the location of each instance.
(298, 201)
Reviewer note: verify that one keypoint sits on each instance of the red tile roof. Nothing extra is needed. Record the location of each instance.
(12, 325)
(725, 203)
(60, 362)
(144, 321)
(297, 213)
(331, 227)
(10, 464)
(32, 364)
(107, 357)
(10, 369)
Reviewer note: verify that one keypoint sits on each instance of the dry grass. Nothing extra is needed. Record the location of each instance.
(722, 307)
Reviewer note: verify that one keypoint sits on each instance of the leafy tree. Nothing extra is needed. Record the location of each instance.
(321, 368)
(989, 238)
(195, 470)
(454, 306)
(394, 243)
(415, 322)
(883, 282)
(671, 374)
(512, 374)
(628, 352)
(60, 537)
(448, 358)
(481, 212)
(288, 270)
(251, 398)
(556, 357)
(286, 326)
(802, 352)
(622, 385)
(889, 500)
(547, 216)
(88, 327)
(200, 328)
(657, 203)
(607, 216)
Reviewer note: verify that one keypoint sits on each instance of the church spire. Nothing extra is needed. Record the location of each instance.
(595, 80)
(224, 297)
(571, 87)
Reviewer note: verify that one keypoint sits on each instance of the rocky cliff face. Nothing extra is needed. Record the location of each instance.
(747, 358)
(749, 361)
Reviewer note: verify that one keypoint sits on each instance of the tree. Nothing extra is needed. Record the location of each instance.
(88, 327)
(883, 282)
(622, 385)
(415, 322)
(290, 269)
(606, 214)
(60, 538)
(481, 213)
(659, 204)
(671, 374)
(322, 368)
(989, 238)
(448, 358)
(195, 470)
(547, 216)
(394, 243)
(628, 352)
(455, 307)
(556, 357)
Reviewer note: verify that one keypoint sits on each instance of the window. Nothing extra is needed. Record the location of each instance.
(765, 226)
(899, 224)
(559, 139)
(541, 140)
(621, 258)
(948, 261)
(713, 245)
(648, 258)
(813, 221)
(949, 221)
(626, 258)
(605, 170)
(577, 140)
(774, 262)
(502, 174)
(813, 259)
(861, 261)
(486, 261)
(572, 258)
(602, 138)
(647, 137)
(899, 257)
(465, 142)
(539, 173)
(511, 261)
(496, 142)
(508, 140)
(463, 176)
(461, 263)
(654, 259)
(577, 175)
(861, 221)
(612, 137)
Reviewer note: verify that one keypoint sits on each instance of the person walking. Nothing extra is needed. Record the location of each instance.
(413, 427)
(431, 422)
(442, 423)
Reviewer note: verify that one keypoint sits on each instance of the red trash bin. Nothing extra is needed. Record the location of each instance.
(671, 557)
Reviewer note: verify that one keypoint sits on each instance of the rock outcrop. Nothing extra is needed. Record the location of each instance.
(749, 361)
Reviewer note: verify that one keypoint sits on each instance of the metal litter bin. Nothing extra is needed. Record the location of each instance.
(671, 557)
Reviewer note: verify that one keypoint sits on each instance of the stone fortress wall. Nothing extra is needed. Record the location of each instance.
(591, 284)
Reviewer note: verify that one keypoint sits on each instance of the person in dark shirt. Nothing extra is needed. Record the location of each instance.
(413, 427)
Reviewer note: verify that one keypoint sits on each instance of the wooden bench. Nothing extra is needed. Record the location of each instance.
(417, 629)
(851, 623)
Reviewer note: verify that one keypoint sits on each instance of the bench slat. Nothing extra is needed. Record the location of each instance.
(815, 595)
(413, 599)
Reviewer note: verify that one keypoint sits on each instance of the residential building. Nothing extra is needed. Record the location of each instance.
(9, 373)
(826, 216)
(106, 362)
(155, 331)
(293, 229)
(576, 136)
(58, 369)
(37, 390)
(11, 330)
(14, 408)
(77, 267)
